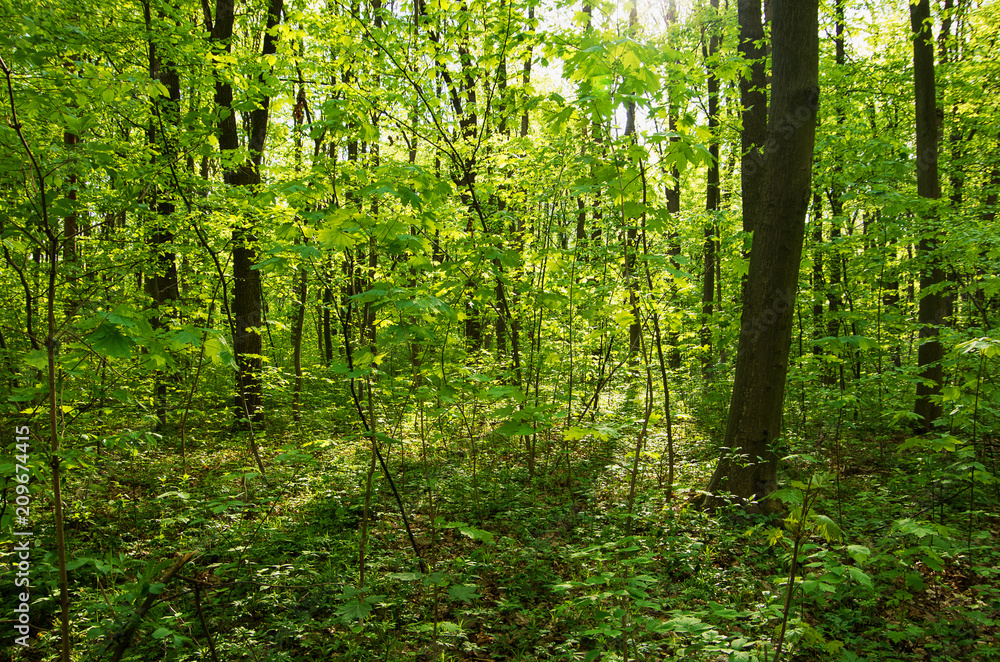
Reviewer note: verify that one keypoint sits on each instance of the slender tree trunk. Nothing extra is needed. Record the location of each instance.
(161, 278)
(754, 114)
(247, 290)
(933, 308)
(712, 197)
(818, 279)
(631, 234)
(834, 193)
(748, 466)
(526, 73)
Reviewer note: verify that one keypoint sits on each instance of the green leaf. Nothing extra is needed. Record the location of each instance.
(723, 612)
(405, 576)
(827, 527)
(859, 553)
(354, 610)
(76, 563)
(860, 576)
(463, 592)
(477, 534)
(109, 341)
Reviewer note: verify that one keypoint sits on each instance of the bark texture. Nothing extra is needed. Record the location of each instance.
(748, 466)
(247, 287)
(934, 304)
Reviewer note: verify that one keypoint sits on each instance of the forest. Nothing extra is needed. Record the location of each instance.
(500, 330)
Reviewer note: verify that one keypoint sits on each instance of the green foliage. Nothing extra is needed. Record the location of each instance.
(479, 243)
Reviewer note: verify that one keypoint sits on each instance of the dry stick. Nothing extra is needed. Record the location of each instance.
(126, 638)
(839, 460)
(344, 320)
(50, 345)
(640, 442)
(204, 622)
(807, 501)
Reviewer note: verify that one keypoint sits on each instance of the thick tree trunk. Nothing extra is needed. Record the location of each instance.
(933, 309)
(748, 467)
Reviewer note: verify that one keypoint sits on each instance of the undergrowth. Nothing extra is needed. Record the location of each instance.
(550, 567)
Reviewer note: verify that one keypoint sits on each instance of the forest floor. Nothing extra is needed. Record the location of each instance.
(518, 568)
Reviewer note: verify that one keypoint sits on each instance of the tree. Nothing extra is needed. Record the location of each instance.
(713, 197)
(247, 303)
(753, 99)
(748, 466)
(934, 302)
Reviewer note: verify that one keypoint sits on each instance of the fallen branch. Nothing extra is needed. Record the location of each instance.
(126, 637)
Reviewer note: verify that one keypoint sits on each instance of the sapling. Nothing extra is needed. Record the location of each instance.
(801, 523)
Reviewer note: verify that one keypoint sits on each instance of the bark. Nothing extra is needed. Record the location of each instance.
(162, 280)
(754, 114)
(933, 308)
(526, 72)
(748, 466)
(712, 197)
(834, 193)
(70, 228)
(631, 235)
(326, 339)
(248, 290)
(298, 322)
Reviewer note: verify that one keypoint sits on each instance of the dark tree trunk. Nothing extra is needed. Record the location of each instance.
(754, 101)
(247, 288)
(161, 280)
(70, 228)
(933, 309)
(326, 339)
(297, 326)
(526, 73)
(837, 265)
(631, 234)
(712, 197)
(748, 467)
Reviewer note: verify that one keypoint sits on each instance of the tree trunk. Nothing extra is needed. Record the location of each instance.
(712, 198)
(748, 466)
(631, 234)
(818, 279)
(933, 309)
(247, 288)
(754, 115)
(161, 280)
